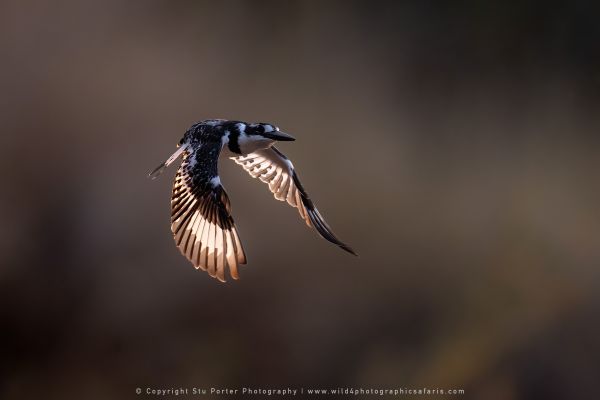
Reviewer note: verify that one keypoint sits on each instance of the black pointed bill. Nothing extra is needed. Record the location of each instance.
(279, 136)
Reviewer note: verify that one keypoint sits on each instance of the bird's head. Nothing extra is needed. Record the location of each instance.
(252, 137)
(268, 131)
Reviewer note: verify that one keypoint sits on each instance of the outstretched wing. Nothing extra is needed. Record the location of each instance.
(275, 169)
(201, 221)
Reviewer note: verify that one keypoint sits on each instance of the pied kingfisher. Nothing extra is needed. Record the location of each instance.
(201, 219)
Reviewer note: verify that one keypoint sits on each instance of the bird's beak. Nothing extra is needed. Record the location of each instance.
(279, 136)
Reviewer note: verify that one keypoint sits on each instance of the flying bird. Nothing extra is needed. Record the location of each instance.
(201, 220)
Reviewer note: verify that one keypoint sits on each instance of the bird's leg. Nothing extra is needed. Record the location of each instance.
(159, 170)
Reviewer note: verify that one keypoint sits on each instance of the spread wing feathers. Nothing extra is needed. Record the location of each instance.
(203, 228)
(274, 168)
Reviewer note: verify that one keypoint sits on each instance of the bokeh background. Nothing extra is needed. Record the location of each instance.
(454, 146)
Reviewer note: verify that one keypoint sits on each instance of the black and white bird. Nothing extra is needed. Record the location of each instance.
(201, 219)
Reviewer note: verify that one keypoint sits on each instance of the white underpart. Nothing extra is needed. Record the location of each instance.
(225, 152)
(216, 181)
(225, 139)
(249, 144)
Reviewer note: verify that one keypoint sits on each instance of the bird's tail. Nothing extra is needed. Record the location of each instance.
(160, 169)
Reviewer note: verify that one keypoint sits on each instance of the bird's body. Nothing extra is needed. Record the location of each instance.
(201, 221)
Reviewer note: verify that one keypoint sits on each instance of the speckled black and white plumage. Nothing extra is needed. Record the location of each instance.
(201, 221)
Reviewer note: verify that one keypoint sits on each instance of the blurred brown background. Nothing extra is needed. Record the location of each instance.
(455, 147)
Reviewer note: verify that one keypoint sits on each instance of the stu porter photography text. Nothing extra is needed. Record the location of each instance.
(194, 391)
